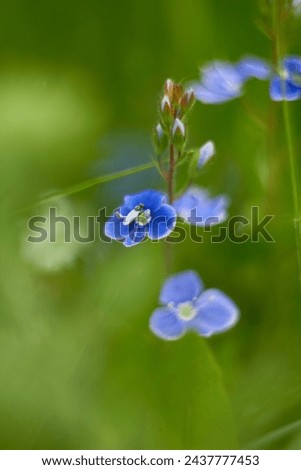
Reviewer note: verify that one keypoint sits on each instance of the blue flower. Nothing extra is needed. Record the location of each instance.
(196, 207)
(222, 81)
(187, 306)
(142, 214)
(287, 84)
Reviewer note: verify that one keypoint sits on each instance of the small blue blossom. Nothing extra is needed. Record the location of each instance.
(222, 81)
(287, 84)
(207, 151)
(187, 306)
(197, 207)
(142, 214)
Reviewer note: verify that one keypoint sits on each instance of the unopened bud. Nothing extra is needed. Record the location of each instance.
(160, 139)
(168, 87)
(187, 100)
(177, 92)
(166, 111)
(165, 104)
(178, 133)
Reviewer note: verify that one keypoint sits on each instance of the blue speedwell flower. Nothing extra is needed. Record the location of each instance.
(187, 306)
(222, 81)
(142, 214)
(197, 207)
(286, 85)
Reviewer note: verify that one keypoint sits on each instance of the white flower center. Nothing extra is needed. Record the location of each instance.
(140, 216)
(283, 73)
(186, 311)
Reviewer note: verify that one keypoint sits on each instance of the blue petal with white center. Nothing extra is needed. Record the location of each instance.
(197, 207)
(180, 288)
(189, 308)
(142, 214)
(207, 151)
(286, 85)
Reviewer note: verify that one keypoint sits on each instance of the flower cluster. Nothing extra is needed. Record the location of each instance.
(222, 81)
(174, 105)
(153, 214)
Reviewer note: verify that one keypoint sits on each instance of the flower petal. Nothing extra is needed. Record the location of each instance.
(135, 237)
(283, 90)
(208, 96)
(292, 64)
(220, 82)
(216, 313)
(252, 67)
(196, 207)
(181, 287)
(115, 229)
(165, 324)
(150, 198)
(162, 222)
(206, 152)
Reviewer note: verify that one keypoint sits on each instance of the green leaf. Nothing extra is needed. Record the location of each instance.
(270, 438)
(95, 181)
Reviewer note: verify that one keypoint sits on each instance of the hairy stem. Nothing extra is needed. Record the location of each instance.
(170, 178)
(169, 252)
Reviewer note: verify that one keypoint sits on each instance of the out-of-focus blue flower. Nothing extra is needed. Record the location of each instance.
(222, 81)
(207, 151)
(142, 214)
(187, 306)
(287, 84)
(197, 207)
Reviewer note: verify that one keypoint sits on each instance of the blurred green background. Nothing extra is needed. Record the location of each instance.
(79, 368)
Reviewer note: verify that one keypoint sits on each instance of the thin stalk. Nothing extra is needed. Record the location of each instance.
(169, 252)
(170, 178)
(294, 182)
(289, 141)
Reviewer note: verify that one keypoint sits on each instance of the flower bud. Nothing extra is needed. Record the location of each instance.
(177, 92)
(160, 139)
(166, 110)
(178, 133)
(168, 87)
(187, 101)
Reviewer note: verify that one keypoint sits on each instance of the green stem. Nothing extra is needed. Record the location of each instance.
(169, 252)
(170, 179)
(294, 182)
(289, 139)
